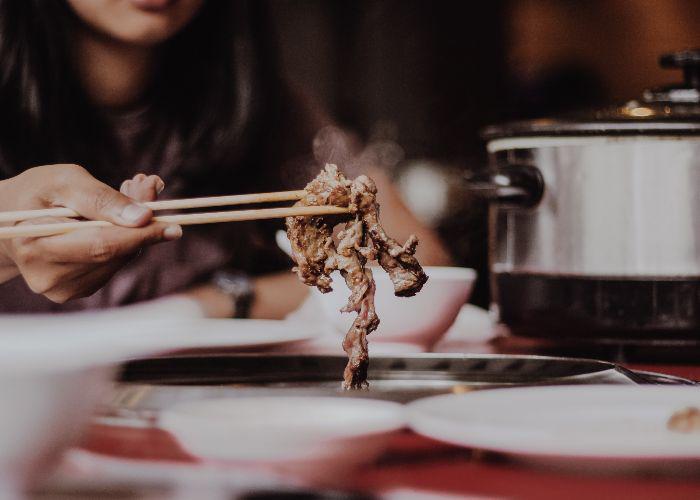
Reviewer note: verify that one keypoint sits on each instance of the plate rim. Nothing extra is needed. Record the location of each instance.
(419, 421)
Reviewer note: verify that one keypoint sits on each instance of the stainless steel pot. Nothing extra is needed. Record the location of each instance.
(595, 220)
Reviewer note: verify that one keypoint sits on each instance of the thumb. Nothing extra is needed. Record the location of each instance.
(94, 200)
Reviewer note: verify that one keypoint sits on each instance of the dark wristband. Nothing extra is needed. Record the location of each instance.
(239, 288)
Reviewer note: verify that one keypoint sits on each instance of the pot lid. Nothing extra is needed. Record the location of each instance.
(673, 109)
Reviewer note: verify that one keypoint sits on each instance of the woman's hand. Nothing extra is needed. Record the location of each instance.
(77, 264)
(142, 187)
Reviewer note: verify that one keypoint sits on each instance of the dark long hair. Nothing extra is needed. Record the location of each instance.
(204, 94)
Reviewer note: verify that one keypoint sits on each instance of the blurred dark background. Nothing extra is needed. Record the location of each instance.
(427, 75)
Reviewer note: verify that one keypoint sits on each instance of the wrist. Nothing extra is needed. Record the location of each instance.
(5, 254)
(238, 288)
(8, 269)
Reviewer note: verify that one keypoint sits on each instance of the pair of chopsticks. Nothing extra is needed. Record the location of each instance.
(36, 230)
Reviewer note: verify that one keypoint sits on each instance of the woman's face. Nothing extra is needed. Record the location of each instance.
(138, 22)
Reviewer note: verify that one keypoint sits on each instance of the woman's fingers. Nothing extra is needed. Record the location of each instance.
(143, 188)
(102, 245)
(73, 187)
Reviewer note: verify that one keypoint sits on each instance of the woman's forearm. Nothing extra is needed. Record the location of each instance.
(400, 223)
(8, 269)
(276, 295)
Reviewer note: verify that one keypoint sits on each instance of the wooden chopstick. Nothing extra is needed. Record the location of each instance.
(210, 201)
(36, 230)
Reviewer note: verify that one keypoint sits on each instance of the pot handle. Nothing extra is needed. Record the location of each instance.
(518, 186)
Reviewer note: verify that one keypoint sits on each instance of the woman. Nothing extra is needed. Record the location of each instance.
(179, 89)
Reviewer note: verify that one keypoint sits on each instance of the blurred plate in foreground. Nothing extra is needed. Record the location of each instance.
(309, 437)
(583, 422)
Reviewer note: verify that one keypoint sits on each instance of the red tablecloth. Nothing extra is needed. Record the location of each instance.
(414, 462)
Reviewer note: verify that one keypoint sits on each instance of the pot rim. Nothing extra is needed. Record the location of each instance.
(531, 142)
(555, 127)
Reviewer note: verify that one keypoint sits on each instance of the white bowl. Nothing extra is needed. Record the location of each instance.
(46, 400)
(53, 371)
(44, 413)
(317, 439)
(421, 319)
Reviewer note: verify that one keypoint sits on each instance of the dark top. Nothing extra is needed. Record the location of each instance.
(291, 147)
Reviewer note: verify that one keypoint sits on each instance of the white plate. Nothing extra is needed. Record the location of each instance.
(84, 466)
(243, 334)
(422, 319)
(313, 437)
(576, 422)
(53, 371)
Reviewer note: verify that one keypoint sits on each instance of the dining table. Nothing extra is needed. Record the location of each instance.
(413, 467)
